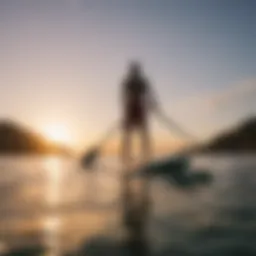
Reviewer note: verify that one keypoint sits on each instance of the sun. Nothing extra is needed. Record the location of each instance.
(57, 133)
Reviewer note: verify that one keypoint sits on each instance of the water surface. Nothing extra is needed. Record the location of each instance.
(51, 202)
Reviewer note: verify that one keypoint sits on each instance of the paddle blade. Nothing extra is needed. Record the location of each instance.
(90, 158)
(168, 166)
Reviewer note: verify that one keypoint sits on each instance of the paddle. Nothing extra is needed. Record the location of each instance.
(91, 156)
(172, 125)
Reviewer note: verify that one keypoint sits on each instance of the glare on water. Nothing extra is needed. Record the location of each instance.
(52, 223)
(52, 226)
(53, 171)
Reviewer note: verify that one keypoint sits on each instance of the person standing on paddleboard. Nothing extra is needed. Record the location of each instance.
(137, 102)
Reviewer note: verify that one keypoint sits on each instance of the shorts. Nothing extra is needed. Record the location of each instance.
(135, 116)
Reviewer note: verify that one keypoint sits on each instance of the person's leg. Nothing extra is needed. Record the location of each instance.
(145, 182)
(145, 143)
(126, 188)
(126, 146)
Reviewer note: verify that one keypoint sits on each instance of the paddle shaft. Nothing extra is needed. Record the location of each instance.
(172, 125)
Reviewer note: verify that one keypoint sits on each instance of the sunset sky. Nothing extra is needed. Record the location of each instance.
(62, 61)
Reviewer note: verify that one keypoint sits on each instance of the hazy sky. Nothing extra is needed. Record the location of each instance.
(61, 61)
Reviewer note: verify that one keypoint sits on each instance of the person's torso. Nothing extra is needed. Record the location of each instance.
(135, 91)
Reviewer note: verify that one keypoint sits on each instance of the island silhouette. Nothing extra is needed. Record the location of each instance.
(240, 138)
(17, 139)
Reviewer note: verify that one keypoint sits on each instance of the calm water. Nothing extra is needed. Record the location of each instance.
(51, 202)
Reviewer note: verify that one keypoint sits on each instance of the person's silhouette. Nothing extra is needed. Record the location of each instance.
(137, 100)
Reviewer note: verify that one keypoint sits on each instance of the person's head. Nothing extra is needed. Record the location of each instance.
(135, 68)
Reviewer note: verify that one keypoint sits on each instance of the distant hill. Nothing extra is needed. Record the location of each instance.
(242, 138)
(15, 139)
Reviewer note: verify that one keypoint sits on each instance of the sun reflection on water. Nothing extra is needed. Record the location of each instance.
(53, 171)
(51, 235)
(52, 222)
